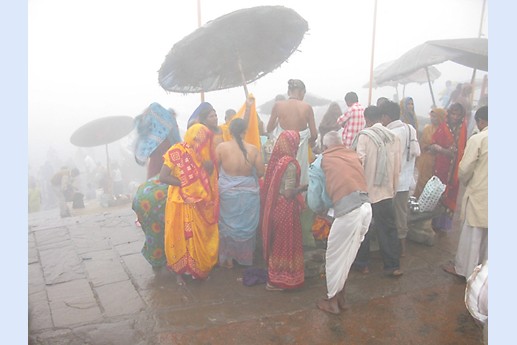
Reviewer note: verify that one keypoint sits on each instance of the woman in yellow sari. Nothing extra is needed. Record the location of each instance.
(425, 163)
(191, 213)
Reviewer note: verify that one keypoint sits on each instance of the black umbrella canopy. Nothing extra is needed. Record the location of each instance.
(233, 50)
(102, 131)
(419, 76)
(470, 52)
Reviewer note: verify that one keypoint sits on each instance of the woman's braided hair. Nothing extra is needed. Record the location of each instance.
(237, 128)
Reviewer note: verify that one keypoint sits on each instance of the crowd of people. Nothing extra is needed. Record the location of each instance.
(217, 199)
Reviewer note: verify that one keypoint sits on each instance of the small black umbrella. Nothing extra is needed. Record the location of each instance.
(233, 50)
(102, 132)
(470, 52)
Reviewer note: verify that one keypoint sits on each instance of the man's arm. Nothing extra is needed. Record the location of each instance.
(312, 127)
(468, 161)
(273, 119)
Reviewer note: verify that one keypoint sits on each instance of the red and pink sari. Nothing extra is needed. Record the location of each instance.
(445, 167)
(281, 226)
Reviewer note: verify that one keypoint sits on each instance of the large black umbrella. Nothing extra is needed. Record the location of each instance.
(470, 52)
(232, 50)
(103, 131)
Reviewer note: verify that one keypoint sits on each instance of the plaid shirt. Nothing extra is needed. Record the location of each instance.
(353, 120)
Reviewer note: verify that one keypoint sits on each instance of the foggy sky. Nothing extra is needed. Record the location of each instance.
(94, 58)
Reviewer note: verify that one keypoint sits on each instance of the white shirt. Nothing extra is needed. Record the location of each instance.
(409, 150)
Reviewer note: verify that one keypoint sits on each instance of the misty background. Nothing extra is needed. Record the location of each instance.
(88, 59)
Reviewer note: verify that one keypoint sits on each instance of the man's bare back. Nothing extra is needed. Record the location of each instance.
(293, 114)
(231, 158)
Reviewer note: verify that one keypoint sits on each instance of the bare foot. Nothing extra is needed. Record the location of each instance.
(449, 268)
(227, 264)
(329, 305)
(179, 280)
(341, 301)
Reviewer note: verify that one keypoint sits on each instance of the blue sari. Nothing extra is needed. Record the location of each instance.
(238, 217)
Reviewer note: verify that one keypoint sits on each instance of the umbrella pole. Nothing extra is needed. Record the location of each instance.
(239, 63)
(202, 94)
(373, 50)
(430, 87)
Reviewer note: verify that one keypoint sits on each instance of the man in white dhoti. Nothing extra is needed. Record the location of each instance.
(473, 173)
(346, 186)
(295, 114)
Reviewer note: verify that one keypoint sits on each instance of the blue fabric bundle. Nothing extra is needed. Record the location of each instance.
(153, 126)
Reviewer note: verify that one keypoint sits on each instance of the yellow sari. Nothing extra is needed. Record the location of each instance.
(192, 209)
(252, 135)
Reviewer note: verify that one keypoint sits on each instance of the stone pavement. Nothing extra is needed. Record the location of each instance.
(89, 284)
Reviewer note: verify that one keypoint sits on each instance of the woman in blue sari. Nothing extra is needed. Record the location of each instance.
(240, 166)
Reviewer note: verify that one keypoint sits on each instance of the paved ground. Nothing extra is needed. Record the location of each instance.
(89, 284)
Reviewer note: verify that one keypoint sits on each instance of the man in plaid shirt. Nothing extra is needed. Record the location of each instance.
(352, 120)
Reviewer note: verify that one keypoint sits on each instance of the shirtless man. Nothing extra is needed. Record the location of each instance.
(295, 114)
(240, 166)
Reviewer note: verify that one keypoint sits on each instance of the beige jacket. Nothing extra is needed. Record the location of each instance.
(367, 151)
(473, 173)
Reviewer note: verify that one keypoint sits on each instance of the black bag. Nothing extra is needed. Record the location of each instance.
(78, 200)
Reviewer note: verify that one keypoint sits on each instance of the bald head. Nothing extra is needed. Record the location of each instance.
(332, 139)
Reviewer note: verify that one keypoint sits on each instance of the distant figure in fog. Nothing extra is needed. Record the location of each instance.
(329, 121)
(407, 112)
(34, 196)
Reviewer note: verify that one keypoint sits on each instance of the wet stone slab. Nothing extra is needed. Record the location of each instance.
(140, 270)
(55, 337)
(39, 311)
(32, 249)
(119, 332)
(104, 267)
(130, 247)
(36, 280)
(52, 238)
(119, 298)
(123, 234)
(73, 303)
(89, 237)
(61, 264)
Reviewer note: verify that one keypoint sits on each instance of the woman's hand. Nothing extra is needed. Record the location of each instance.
(435, 148)
(208, 166)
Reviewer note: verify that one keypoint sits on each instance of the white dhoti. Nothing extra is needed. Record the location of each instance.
(472, 249)
(345, 237)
